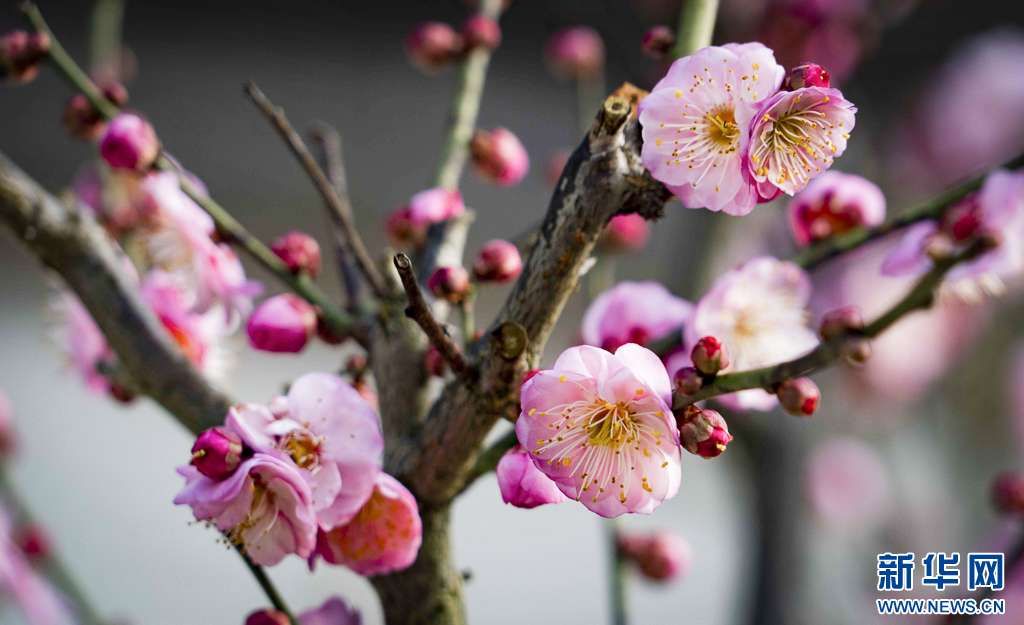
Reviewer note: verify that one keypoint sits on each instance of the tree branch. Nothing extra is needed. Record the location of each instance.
(696, 25)
(920, 297)
(77, 248)
(340, 208)
(419, 311)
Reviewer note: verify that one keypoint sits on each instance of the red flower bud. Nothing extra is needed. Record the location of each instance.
(33, 541)
(481, 31)
(1008, 493)
(688, 380)
(432, 45)
(625, 233)
(709, 355)
(499, 156)
(962, 221)
(20, 55)
(299, 251)
(799, 396)
(703, 431)
(808, 75)
(576, 52)
(659, 557)
(327, 334)
(449, 283)
(129, 142)
(83, 121)
(498, 261)
(267, 617)
(840, 322)
(658, 41)
(217, 453)
(282, 324)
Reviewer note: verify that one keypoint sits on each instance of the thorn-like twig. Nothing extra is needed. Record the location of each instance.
(419, 311)
(339, 206)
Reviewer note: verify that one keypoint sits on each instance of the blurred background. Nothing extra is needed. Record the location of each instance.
(785, 527)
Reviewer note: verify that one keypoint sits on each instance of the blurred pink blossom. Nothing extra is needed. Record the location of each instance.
(600, 426)
(576, 52)
(759, 312)
(334, 611)
(661, 556)
(633, 312)
(129, 142)
(625, 233)
(383, 537)
(833, 203)
(522, 484)
(39, 602)
(846, 483)
(499, 156)
(283, 323)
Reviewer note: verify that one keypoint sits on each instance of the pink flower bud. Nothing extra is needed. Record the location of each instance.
(522, 484)
(576, 52)
(481, 31)
(834, 203)
(840, 322)
(217, 453)
(499, 156)
(799, 396)
(703, 431)
(659, 557)
(299, 251)
(33, 541)
(83, 121)
(709, 355)
(688, 380)
(402, 231)
(658, 41)
(20, 55)
(449, 283)
(129, 143)
(267, 617)
(327, 334)
(808, 75)
(434, 362)
(1008, 493)
(963, 221)
(432, 45)
(8, 441)
(282, 323)
(625, 233)
(498, 261)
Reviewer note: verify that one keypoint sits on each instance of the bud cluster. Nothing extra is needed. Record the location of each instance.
(83, 121)
(20, 55)
(709, 357)
(703, 431)
(433, 45)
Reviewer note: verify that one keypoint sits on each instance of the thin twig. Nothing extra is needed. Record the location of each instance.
(419, 311)
(489, 458)
(696, 25)
(932, 209)
(273, 595)
(327, 139)
(339, 206)
(920, 297)
(617, 578)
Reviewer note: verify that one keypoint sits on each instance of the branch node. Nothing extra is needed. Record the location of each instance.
(511, 340)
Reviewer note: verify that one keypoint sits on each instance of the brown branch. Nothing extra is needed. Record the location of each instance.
(419, 311)
(78, 249)
(339, 205)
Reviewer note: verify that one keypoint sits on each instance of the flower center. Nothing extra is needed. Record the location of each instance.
(721, 126)
(795, 140)
(610, 425)
(304, 448)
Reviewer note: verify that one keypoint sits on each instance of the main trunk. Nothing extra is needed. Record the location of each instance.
(430, 591)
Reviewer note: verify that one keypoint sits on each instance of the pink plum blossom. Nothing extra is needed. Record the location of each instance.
(576, 52)
(697, 121)
(600, 426)
(383, 537)
(129, 142)
(522, 484)
(759, 312)
(283, 324)
(846, 483)
(998, 209)
(633, 312)
(83, 342)
(39, 602)
(499, 156)
(833, 203)
(199, 336)
(408, 225)
(265, 506)
(334, 611)
(659, 556)
(329, 431)
(797, 135)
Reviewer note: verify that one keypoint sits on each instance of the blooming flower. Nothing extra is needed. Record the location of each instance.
(334, 611)
(759, 311)
(265, 507)
(329, 431)
(383, 537)
(797, 134)
(696, 124)
(997, 208)
(599, 425)
(83, 342)
(199, 336)
(522, 484)
(833, 203)
(633, 312)
(40, 602)
(846, 483)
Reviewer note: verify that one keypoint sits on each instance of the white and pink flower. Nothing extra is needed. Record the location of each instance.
(600, 426)
(633, 312)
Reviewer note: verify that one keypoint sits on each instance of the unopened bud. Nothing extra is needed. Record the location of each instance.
(299, 252)
(129, 142)
(499, 156)
(481, 31)
(799, 396)
(840, 322)
(961, 222)
(709, 355)
(283, 324)
(83, 121)
(1008, 493)
(498, 261)
(688, 380)
(433, 45)
(449, 283)
(658, 41)
(576, 52)
(267, 617)
(703, 431)
(808, 75)
(217, 453)
(21, 54)
(327, 334)
(625, 233)
(659, 557)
